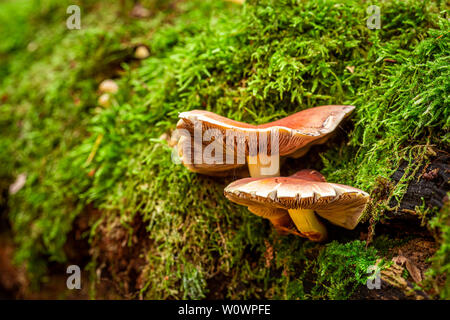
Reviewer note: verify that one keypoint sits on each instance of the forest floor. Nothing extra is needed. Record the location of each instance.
(86, 177)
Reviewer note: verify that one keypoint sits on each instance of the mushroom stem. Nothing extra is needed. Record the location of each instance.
(262, 165)
(308, 224)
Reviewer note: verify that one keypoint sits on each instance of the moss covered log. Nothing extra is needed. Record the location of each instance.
(101, 189)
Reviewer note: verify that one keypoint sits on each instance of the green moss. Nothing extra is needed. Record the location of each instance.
(409, 105)
(48, 105)
(254, 63)
(341, 268)
(384, 242)
(437, 276)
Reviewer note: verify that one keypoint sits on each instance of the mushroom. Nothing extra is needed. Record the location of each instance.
(104, 100)
(300, 196)
(108, 86)
(141, 52)
(235, 144)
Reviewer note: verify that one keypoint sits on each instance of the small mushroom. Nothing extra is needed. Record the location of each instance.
(104, 100)
(139, 11)
(300, 196)
(257, 147)
(141, 52)
(108, 86)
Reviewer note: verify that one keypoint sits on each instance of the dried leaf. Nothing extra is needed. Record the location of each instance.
(400, 260)
(414, 271)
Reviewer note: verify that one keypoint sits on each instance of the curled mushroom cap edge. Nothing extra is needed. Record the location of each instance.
(296, 134)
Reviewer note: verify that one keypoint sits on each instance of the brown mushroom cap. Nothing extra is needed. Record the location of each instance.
(341, 205)
(212, 169)
(297, 133)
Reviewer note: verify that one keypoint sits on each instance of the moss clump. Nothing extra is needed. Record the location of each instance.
(400, 118)
(341, 268)
(438, 276)
(253, 63)
(49, 88)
